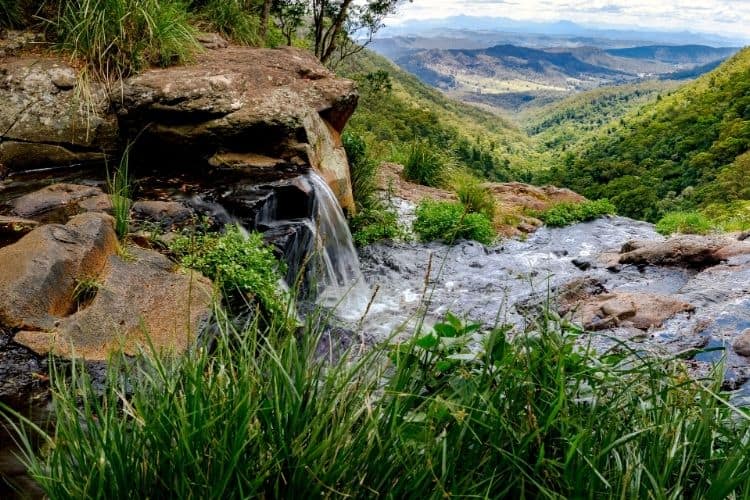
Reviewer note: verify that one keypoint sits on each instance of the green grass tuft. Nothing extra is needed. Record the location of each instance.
(564, 214)
(425, 164)
(120, 187)
(684, 223)
(119, 37)
(530, 415)
(10, 13)
(232, 18)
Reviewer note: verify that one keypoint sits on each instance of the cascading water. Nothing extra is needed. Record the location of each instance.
(319, 243)
(336, 269)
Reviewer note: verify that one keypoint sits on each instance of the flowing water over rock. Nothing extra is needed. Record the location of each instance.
(509, 282)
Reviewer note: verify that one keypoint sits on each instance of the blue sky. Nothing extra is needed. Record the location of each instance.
(723, 17)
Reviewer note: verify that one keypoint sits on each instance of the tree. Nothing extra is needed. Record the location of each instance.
(336, 23)
(289, 15)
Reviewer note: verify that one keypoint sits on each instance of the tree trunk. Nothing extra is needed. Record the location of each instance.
(329, 40)
(264, 17)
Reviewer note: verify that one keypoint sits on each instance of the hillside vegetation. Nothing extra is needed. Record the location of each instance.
(396, 109)
(559, 125)
(688, 150)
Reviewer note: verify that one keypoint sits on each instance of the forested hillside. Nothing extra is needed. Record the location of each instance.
(685, 151)
(396, 109)
(559, 125)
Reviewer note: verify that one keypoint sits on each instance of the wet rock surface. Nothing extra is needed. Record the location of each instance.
(664, 304)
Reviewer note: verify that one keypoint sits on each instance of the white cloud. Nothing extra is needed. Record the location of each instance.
(724, 17)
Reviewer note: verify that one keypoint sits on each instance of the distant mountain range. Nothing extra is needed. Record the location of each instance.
(511, 77)
(564, 29)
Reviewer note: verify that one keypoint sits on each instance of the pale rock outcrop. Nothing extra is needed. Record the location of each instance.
(41, 270)
(141, 301)
(46, 120)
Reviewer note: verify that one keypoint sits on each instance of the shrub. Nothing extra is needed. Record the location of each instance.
(564, 214)
(474, 196)
(120, 37)
(372, 225)
(685, 223)
(733, 216)
(232, 18)
(458, 410)
(425, 165)
(449, 221)
(238, 263)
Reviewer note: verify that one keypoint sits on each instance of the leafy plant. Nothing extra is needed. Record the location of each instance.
(119, 37)
(363, 170)
(449, 221)
(564, 214)
(238, 263)
(373, 225)
(684, 223)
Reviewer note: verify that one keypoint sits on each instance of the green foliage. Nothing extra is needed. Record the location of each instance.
(684, 223)
(235, 19)
(371, 225)
(85, 291)
(689, 147)
(120, 187)
(564, 214)
(397, 109)
(732, 216)
(363, 169)
(474, 196)
(119, 37)
(425, 164)
(237, 263)
(450, 221)
(10, 13)
(458, 410)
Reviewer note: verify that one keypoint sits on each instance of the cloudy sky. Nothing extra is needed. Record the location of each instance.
(708, 16)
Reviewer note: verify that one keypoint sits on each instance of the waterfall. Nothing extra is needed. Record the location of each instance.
(336, 271)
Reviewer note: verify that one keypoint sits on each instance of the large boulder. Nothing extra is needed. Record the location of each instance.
(48, 120)
(636, 310)
(41, 270)
(55, 197)
(142, 300)
(688, 250)
(268, 112)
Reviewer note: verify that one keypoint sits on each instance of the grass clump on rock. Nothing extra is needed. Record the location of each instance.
(529, 415)
(425, 164)
(119, 37)
(684, 223)
(450, 221)
(565, 214)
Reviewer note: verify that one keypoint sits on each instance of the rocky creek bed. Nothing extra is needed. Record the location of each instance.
(616, 276)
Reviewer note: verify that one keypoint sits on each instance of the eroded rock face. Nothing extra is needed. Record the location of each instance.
(269, 112)
(45, 122)
(40, 271)
(143, 298)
